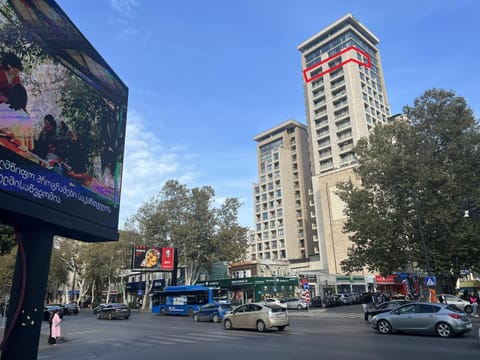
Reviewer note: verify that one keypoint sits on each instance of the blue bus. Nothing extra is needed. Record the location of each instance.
(185, 300)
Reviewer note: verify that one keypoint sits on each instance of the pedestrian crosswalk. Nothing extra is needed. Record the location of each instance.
(211, 336)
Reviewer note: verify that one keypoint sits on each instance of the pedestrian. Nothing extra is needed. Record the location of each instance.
(55, 330)
(474, 301)
(367, 303)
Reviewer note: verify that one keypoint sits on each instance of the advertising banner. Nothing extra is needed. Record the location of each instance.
(62, 120)
(153, 258)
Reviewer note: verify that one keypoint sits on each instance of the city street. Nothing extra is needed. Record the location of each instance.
(339, 333)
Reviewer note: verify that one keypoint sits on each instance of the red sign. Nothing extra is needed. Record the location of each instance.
(167, 258)
(350, 54)
(389, 279)
(306, 296)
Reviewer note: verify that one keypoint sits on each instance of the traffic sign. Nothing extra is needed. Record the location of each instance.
(306, 296)
(306, 286)
(430, 281)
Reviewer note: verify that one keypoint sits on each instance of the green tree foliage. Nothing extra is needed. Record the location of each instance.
(90, 267)
(7, 239)
(433, 159)
(7, 268)
(188, 220)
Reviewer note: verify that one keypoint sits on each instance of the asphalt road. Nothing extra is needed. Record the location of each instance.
(336, 333)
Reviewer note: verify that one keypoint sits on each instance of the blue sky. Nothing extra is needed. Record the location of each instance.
(206, 76)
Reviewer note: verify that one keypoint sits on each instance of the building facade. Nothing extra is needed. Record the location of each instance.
(283, 204)
(345, 98)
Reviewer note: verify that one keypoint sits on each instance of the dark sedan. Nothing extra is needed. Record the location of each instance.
(113, 311)
(49, 309)
(212, 312)
(383, 307)
(70, 309)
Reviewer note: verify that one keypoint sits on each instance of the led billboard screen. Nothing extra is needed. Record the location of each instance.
(153, 258)
(62, 123)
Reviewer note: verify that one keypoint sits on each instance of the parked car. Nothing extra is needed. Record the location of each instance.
(383, 307)
(212, 312)
(113, 311)
(70, 309)
(332, 300)
(257, 316)
(463, 305)
(295, 303)
(96, 308)
(441, 319)
(316, 301)
(276, 301)
(49, 309)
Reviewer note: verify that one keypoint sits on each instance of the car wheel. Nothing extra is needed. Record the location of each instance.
(216, 318)
(98, 316)
(299, 307)
(260, 326)
(126, 317)
(281, 328)
(195, 318)
(110, 317)
(163, 311)
(227, 324)
(384, 327)
(444, 330)
(468, 309)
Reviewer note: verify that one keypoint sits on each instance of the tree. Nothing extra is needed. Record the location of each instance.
(7, 267)
(187, 220)
(431, 160)
(7, 239)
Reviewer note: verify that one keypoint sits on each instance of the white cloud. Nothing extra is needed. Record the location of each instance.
(124, 7)
(148, 164)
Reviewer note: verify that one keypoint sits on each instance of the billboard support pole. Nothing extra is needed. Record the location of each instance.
(175, 268)
(37, 241)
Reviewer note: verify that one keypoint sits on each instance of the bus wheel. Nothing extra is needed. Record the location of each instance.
(190, 312)
(162, 311)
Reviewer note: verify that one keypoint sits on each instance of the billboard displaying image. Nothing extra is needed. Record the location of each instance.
(62, 123)
(153, 258)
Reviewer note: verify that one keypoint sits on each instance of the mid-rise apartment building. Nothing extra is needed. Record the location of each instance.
(283, 210)
(345, 98)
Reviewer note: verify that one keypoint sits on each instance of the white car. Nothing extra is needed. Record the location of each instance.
(275, 301)
(463, 305)
(296, 303)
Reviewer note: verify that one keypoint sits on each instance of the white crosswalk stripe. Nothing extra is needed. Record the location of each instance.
(219, 335)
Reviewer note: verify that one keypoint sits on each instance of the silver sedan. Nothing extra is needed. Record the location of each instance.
(441, 319)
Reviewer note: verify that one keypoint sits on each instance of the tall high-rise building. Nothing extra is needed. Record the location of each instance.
(283, 209)
(345, 98)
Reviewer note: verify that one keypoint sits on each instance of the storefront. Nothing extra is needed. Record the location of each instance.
(398, 285)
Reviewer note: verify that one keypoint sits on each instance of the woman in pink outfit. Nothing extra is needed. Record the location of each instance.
(56, 320)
